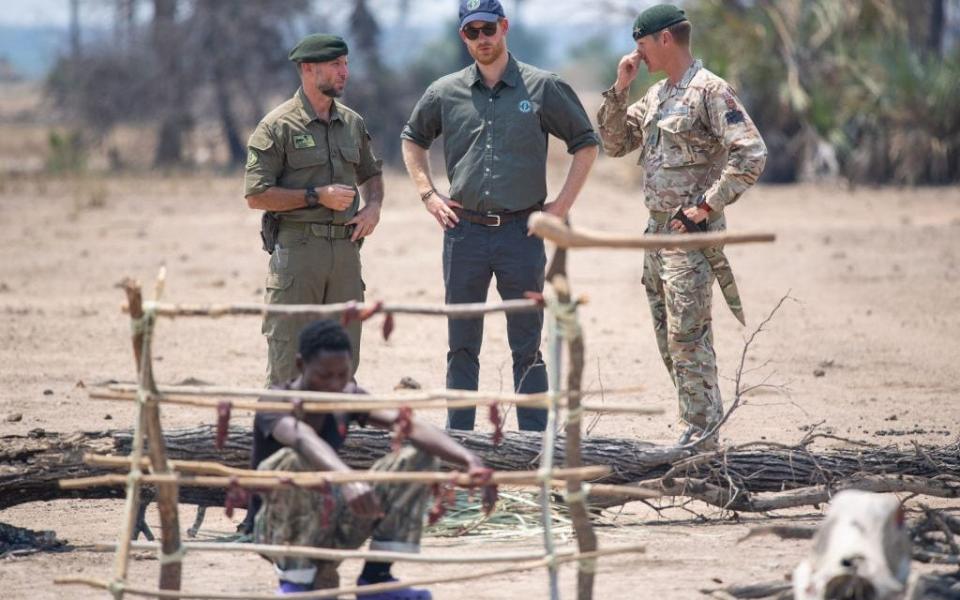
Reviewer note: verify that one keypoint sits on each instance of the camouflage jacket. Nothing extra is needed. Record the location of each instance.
(696, 140)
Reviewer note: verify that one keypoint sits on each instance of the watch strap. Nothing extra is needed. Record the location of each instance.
(311, 197)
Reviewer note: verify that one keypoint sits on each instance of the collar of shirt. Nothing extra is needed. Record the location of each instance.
(511, 75)
(307, 109)
(668, 88)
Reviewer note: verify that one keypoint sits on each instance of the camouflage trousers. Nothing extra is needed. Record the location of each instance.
(306, 268)
(679, 290)
(302, 517)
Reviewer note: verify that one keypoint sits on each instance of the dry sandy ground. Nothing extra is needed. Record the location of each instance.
(875, 305)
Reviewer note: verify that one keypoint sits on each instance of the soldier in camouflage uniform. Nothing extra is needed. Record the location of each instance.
(306, 162)
(348, 514)
(700, 152)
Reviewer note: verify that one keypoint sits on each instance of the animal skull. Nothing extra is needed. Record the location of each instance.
(861, 552)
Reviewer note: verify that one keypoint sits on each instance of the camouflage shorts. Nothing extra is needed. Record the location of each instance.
(301, 517)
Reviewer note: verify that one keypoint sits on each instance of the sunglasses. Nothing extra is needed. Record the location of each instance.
(472, 33)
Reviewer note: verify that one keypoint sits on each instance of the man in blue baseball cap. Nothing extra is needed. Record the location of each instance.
(489, 11)
(495, 117)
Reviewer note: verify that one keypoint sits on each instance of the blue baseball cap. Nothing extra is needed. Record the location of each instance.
(480, 10)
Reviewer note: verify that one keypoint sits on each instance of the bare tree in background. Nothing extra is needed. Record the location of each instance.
(375, 92)
(239, 49)
(75, 27)
(172, 87)
(124, 22)
(194, 59)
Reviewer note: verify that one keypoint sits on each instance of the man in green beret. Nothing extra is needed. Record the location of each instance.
(700, 151)
(309, 162)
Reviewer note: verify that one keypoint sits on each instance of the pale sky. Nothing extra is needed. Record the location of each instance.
(99, 12)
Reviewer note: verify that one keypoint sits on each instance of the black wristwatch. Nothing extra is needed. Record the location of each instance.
(311, 197)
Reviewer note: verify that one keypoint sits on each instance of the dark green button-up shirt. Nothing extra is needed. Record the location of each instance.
(292, 148)
(495, 140)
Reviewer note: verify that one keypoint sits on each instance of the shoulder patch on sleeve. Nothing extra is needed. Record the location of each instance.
(734, 116)
(252, 158)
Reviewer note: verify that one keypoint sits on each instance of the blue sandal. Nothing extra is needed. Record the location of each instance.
(400, 594)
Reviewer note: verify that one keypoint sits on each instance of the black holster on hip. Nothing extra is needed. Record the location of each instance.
(269, 230)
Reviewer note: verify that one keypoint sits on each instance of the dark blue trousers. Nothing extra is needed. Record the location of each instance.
(472, 254)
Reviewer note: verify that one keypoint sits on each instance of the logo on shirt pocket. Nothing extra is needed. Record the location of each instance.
(525, 106)
(304, 141)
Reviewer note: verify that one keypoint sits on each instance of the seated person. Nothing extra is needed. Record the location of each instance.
(345, 517)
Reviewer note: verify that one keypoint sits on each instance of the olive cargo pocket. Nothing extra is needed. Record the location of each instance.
(279, 290)
(310, 157)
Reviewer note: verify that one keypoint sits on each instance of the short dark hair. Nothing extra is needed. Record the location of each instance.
(680, 32)
(324, 335)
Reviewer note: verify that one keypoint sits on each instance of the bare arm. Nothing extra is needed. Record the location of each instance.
(368, 217)
(431, 440)
(278, 199)
(302, 438)
(371, 191)
(418, 166)
(577, 175)
(416, 160)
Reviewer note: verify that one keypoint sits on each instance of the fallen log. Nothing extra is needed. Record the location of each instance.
(31, 466)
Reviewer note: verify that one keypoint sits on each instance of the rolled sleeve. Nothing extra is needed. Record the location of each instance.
(425, 123)
(264, 161)
(564, 116)
(370, 165)
(746, 152)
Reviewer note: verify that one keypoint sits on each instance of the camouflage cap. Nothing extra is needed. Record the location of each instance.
(318, 47)
(657, 18)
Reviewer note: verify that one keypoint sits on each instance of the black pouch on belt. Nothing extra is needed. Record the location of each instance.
(269, 230)
(688, 224)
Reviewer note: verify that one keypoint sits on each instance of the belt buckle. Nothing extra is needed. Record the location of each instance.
(493, 216)
(321, 230)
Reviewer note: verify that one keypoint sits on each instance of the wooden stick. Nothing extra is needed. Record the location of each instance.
(333, 593)
(320, 311)
(625, 491)
(553, 229)
(167, 494)
(132, 501)
(364, 403)
(213, 468)
(440, 394)
(554, 361)
(341, 554)
(576, 499)
(723, 497)
(311, 480)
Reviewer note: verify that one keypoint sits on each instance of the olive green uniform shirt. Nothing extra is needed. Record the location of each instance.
(292, 148)
(495, 140)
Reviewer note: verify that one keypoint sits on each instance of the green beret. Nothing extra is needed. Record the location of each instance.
(657, 18)
(318, 47)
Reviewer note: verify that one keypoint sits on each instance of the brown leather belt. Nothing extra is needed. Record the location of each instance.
(493, 219)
